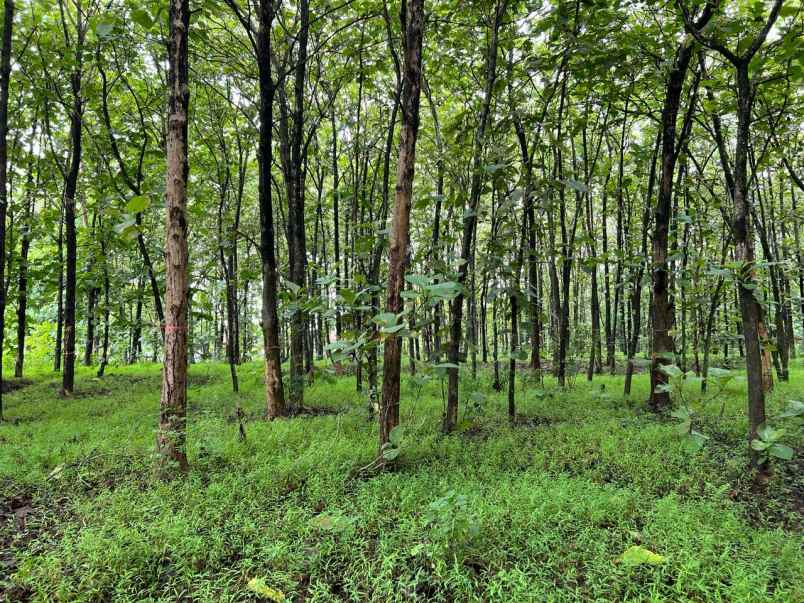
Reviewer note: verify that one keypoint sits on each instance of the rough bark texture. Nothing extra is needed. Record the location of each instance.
(5, 77)
(412, 21)
(171, 435)
(663, 312)
(274, 393)
(750, 309)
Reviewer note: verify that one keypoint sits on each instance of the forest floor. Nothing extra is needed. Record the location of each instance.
(539, 511)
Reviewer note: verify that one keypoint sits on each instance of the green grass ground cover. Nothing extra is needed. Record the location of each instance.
(538, 511)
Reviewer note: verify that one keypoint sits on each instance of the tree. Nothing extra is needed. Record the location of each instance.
(5, 81)
(750, 307)
(470, 215)
(412, 23)
(663, 314)
(260, 38)
(171, 435)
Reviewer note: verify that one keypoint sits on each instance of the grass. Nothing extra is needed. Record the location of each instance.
(539, 511)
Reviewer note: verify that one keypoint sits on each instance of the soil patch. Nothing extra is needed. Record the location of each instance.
(11, 385)
(27, 516)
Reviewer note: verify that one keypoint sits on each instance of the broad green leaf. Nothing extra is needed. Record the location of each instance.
(396, 435)
(780, 451)
(142, 18)
(138, 204)
(104, 28)
(794, 409)
(386, 319)
(389, 454)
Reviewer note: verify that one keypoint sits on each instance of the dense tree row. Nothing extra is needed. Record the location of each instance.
(598, 185)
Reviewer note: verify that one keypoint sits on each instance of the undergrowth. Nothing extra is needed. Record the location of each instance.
(540, 510)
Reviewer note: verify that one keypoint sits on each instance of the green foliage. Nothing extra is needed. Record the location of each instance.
(450, 522)
(693, 401)
(539, 511)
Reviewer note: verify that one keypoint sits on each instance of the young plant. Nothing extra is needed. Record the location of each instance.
(768, 444)
(692, 401)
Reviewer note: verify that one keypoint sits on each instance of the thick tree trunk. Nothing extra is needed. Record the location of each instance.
(412, 18)
(171, 435)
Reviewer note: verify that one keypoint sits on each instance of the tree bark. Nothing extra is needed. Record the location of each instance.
(71, 184)
(412, 23)
(171, 435)
(5, 81)
(663, 311)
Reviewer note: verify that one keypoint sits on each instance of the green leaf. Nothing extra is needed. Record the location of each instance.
(389, 454)
(104, 28)
(138, 204)
(419, 280)
(385, 319)
(142, 18)
(780, 451)
(794, 409)
(637, 555)
(671, 370)
(396, 435)
(681, 413)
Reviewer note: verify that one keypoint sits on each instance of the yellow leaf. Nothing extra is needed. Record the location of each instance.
(258, 585)
(637, 555)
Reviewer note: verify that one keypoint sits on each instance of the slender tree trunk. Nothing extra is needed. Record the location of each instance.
(470, 220)
(171, 435)
(71, 184)
(89, 342)
(274, 392)
(514, 302)
(750, 307)
(5, 80)
(636, 291)
(297, 254)
(106, 309)
(663, 312)
(412, 22)
(22, 277)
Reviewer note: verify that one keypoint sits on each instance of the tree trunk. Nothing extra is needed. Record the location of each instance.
(71, 184)
(663, 312)
(106, 310)
(5, 80)
(470, 220)
(412, 22)
(171, 435)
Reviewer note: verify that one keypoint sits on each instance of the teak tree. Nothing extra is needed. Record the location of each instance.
(412, 23)
(171, 435)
